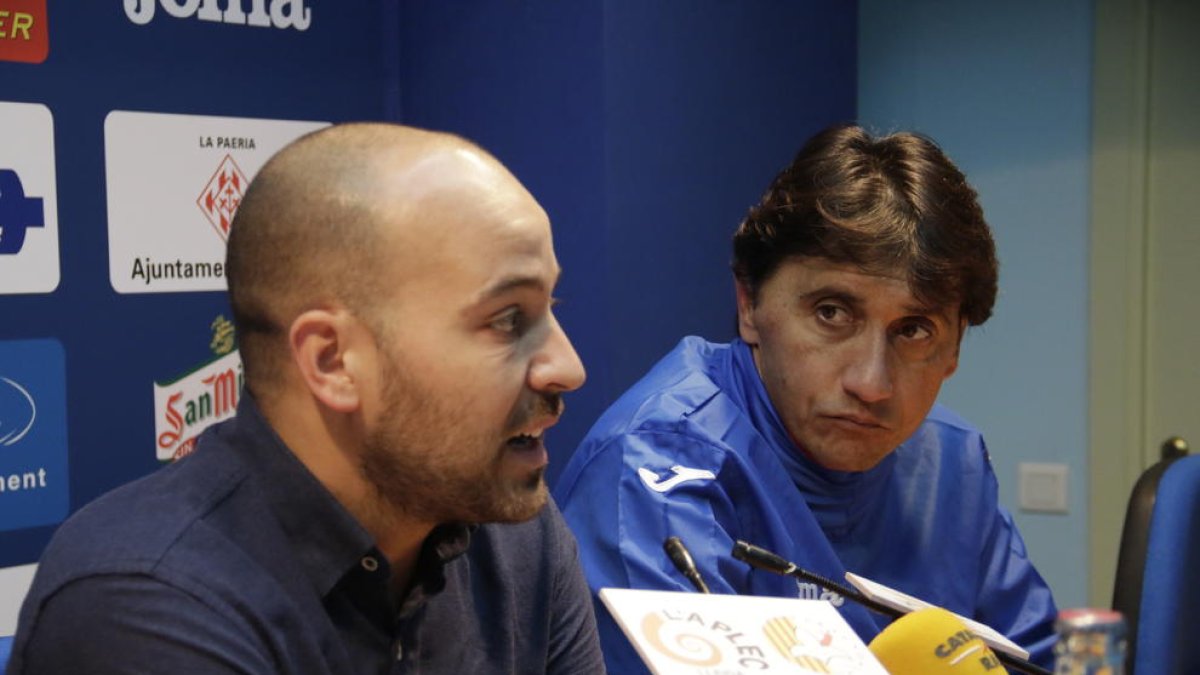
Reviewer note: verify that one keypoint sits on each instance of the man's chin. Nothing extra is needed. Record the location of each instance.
(848, 459)
(523, 501)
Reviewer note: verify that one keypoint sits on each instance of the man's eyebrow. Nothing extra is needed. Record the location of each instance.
(833, 292)
(515, 282)
(855, 300)
(926, 310)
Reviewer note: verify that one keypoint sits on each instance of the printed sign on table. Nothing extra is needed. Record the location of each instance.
(698, 634)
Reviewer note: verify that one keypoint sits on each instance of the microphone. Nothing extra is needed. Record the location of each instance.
(765, 560)
(931, 641)
(683, 562)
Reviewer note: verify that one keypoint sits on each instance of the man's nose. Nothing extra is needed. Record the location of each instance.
(557, 367)
(868, 378)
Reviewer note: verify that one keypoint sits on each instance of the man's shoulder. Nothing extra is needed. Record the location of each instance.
(684, 423)
(669, 397)
(948, 440)
(942, 416)
(131, 529)
(681, 380)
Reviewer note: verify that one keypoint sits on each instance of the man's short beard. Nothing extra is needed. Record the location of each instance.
(423, 467)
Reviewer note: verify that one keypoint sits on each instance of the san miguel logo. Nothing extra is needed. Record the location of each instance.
(24, 36)
(221, 197)
(275, 13)
(208, 394)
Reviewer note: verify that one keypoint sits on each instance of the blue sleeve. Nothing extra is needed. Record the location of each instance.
(622, 510)
(128, 624)
(1013, 597)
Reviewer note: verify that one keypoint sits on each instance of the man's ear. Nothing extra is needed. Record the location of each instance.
(324, 345)
(745, 309)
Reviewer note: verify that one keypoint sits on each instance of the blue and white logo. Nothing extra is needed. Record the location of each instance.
(18, 213)
(14, 426)
(33, 434)
(28, 202)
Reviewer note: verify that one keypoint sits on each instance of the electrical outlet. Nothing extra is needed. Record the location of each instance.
(1042, 487)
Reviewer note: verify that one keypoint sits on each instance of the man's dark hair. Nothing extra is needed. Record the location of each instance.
(885, 204)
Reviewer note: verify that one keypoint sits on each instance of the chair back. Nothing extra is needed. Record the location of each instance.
(1168, 620)
(1135, 542)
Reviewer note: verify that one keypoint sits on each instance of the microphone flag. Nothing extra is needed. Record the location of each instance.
(931, 641)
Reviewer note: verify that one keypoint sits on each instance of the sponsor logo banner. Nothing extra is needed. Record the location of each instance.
(14, 586)
(28, 204)
(261, 13)
(174, 183)
(208, 394)
(33, 434)
(24, 35)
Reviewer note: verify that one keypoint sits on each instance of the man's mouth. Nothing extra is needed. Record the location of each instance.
(858, 421)
(525, 441)
(526, 449)
(530, 437)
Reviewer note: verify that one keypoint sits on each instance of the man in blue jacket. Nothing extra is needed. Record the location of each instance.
(815, 434)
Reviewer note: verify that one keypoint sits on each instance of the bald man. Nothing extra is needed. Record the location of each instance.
(377, 505)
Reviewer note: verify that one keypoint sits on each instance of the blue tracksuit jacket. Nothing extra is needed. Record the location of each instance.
(695, 450)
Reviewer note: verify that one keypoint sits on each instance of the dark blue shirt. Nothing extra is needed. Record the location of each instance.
(237, 560)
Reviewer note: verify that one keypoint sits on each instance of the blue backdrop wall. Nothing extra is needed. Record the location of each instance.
(117, 345)
(645, 129)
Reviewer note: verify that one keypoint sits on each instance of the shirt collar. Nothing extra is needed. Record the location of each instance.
(442, 546)
(325, 539)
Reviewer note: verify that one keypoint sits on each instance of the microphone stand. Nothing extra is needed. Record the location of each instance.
(765, 560)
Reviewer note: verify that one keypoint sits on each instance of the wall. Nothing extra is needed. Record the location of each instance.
(646, 130)
(90, 356)
(1005, 89)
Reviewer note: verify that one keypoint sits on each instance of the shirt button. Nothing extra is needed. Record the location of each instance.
(369, 563)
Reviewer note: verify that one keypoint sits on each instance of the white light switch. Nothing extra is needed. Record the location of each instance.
(1043, 487)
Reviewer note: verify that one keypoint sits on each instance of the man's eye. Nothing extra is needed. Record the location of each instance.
(511, 321)
(833, 314)
(915, 331)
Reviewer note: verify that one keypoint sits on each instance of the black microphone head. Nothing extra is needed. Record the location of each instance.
(741, 551)
(678, 554)
(761, 558)
(683, 562)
